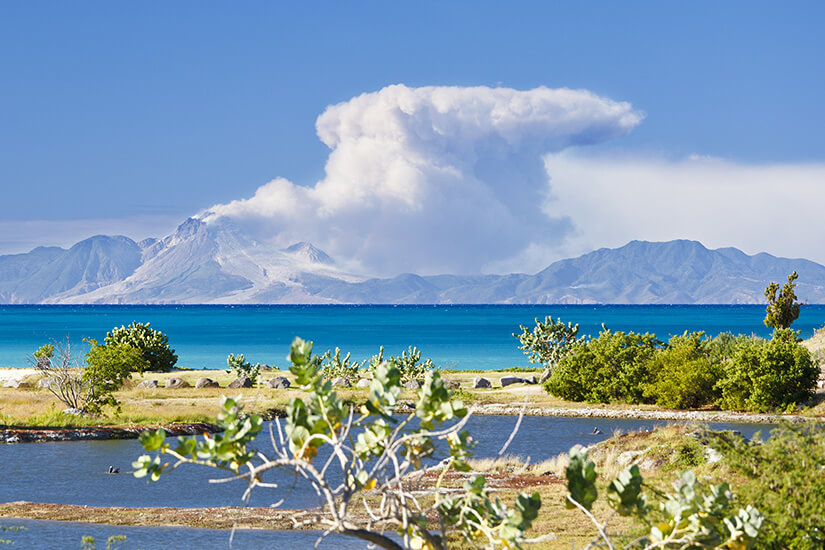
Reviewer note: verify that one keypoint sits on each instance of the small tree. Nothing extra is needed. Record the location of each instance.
(239, 366)
(374, 458)
(548, 342)
(87, 387)
(783, 309)
(334, 366)
(410, 365)
(152, 344)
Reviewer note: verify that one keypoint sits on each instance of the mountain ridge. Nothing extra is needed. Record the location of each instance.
(216, 262)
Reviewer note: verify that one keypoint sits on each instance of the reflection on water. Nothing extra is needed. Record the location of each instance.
(75, 472)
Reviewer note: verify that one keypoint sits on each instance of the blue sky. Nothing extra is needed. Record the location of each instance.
(119, 117)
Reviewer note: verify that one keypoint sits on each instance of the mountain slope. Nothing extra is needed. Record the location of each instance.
(216, 262)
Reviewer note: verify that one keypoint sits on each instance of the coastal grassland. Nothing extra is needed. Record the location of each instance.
(32, 406)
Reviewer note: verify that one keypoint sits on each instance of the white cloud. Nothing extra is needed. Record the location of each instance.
(434, 179)
(776, 208)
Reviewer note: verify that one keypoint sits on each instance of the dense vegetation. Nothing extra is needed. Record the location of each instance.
(690, 370)
(152, 344)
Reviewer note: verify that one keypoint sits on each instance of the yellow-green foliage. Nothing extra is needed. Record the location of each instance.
(684, 375)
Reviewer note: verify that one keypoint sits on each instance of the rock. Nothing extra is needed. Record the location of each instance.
(15, 384)
(46, 383)
(342, 381)
(278, 383)
(480, 382)
(412, 384)
(176, 382)
(73, 412)
(530, 379)
(712, 455)
(510, 379)
(148, 384)
(363, 383)
(452, 384)
(545, 375)
(241, 382)
(627, 457)
(206, 383)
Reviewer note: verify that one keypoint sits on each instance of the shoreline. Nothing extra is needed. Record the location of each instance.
(46, 434)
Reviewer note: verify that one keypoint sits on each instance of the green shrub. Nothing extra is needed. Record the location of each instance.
(153, 344)
(334, 366)
(769, 375)
(239, 366)
(611, 367)
(684, 373)
(782, 477)
(107, 368)
(411, 365)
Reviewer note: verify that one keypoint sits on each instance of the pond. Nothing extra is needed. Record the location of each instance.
(75, 472)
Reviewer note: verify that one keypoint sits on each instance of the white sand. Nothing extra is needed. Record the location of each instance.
(8, 375)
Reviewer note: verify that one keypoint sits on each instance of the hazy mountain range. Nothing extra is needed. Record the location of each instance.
(217, 263)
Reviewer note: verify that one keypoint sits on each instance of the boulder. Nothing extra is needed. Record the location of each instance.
(545, 375)
(241, 382)
(15, 383)
(176, 382)
(412, 384)
(510, 379)
(148, 384)
(206, 383)
(530, 379)
(342, 381)
(363, 383)
(73, 412)
(46, 383)
(481, 382)
(452, 384)
(278, 383)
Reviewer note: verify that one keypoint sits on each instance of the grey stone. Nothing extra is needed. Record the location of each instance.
(452, 384)
(241, 382)
(480, 382)
(206, 383)
(73, 412)
(15, 383)
(148, 384)
(278, 383)
(363, 383)
(342, 381)
(176, 382)
(46, 383)
(530, 379)
(545, 375)
(510, 379)
(412, 384)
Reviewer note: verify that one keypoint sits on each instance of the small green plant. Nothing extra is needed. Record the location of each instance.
(783, 309)
(334, 366)
(88, 542)
(10, 529)
(239, 366)
(410, 364)
(549, 341)
(691, 517)
(152, 344)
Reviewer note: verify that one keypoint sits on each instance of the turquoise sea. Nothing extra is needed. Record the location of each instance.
(462, 337)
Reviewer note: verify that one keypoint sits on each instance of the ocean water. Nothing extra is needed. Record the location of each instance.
(461, 337)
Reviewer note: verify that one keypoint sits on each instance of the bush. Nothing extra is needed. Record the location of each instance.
(153, 344)
(684, 373)
(239, 366)
(783, 478)
(334, 366)
(768, 375)
(611, 367)
(410, 364)
(783, 309)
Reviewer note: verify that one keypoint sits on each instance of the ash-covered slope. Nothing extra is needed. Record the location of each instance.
(216, 262)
